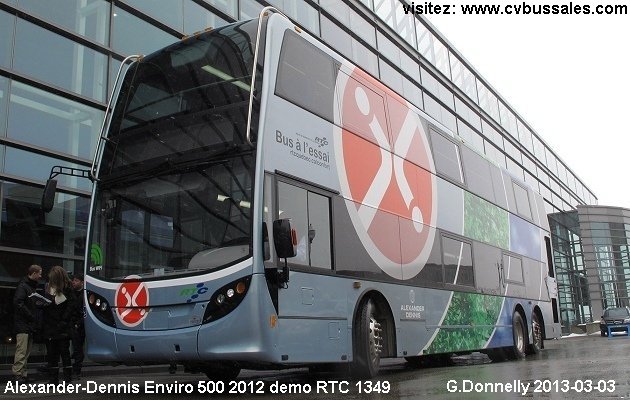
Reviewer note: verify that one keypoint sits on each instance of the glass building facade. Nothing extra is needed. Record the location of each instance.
(57, 65)
(573, 293)
(606, 252)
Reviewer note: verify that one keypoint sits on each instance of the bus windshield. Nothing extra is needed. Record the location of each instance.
(175, 182)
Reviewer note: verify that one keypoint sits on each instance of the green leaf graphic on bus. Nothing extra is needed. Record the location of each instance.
(96, 254)
(478, 312)
(486, 222)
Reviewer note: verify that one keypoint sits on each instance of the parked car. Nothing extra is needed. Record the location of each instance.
(616, 318)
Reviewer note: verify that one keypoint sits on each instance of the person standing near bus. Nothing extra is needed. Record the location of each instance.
(78, 329)
(58, 321)
(25, 321)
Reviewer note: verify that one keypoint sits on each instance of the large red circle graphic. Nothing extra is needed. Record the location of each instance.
(386, 169)
(132, 301)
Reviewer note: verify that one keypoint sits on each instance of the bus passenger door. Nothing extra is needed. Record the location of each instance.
(311, 312)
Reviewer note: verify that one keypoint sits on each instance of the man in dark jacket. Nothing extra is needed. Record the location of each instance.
(25, 314)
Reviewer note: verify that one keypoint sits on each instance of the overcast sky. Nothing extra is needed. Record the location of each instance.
(568, 77)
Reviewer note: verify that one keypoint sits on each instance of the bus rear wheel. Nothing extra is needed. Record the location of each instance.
(368, 342)
(222, 372)
(519, 336)
(537, 336)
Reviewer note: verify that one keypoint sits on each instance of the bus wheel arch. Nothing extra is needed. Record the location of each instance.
(373, 331)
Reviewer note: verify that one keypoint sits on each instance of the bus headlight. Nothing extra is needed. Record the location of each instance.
(100, 308)
(226, 299)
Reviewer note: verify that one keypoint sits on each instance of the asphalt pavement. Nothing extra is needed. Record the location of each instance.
(586, 367)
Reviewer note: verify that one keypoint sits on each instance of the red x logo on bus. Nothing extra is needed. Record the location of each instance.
(132, 301)
(385, 169)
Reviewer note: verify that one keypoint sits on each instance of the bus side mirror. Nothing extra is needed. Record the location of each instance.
(285, 242)
(48, 197)
(284, 238)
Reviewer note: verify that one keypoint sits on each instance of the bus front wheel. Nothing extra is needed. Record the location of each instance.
(368, 342)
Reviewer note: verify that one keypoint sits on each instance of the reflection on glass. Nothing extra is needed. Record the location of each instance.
(175, 182)
(488, 101)
(464, 79)
(53, 122)
(458, 267)
(126, 39)
(508, 120)
(169, 12)
(310, 217)
(387, 48)
(250, 9)
(7, 22)
(405, 25)
(442, 58)
(425, 42)
(197, 18)
(364, 58)
(446, 155)
(114, 65)
(185, 100)
(227, 6)
(67, 64)
(292, 204)
(319, 230)
(89, 18)
(15, 265)
(391, 77)
(385, 9)
(336, 37)
(34, 166)
(61, 231)
(4, 96)
(522, 201)
(176, 221)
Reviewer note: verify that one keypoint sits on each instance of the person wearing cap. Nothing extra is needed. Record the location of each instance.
(78, 331)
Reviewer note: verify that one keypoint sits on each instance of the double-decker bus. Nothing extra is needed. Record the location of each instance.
(259, 201)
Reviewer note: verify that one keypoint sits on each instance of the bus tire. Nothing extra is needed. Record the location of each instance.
(222, 371)
(519, 335)
(367, 343)
(537, 336)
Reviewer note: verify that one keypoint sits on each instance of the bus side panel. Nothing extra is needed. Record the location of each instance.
(418, 312)
(313, 319)
(100, 340)
(249, 333)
